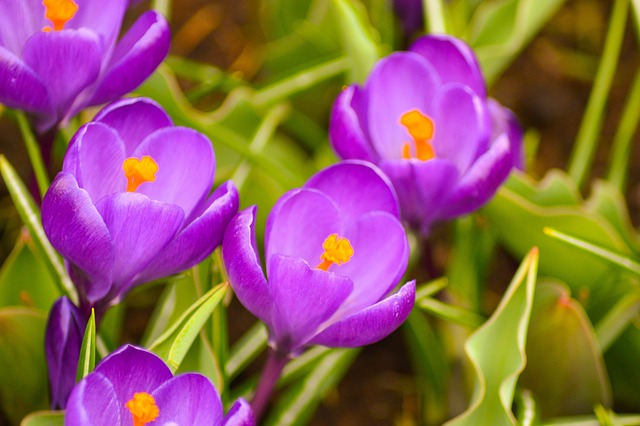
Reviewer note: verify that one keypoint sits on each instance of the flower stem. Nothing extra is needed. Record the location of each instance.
(36, 152)
(270, 374)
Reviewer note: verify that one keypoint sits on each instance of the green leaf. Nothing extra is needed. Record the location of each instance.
(357, 40)
(172, 346)
(246, 349)
(44, 418)
(87, 359)
(23, 376)
(563, 384)
(497, 352)
(30, 216)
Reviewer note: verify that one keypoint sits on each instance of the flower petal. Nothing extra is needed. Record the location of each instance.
(303, 298)
(240, 414)
(140, 228)
(103, 18)
(134, 119)
(463, 126)
(380, 256)
(356, 187)
(66, 62)
(399, 83)
(371, 324)
(136, 56)
(504, 121)
(299, 223)
(18, 20)
(186, 164)
(481, 181)
(347, 128)
(20, 86)
(188, 399)
(241, 259)
(77, 231)
(453, 60)
(199, 238)
(423, 188)
(93, 402)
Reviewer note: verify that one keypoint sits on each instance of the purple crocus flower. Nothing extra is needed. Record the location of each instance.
(59, 56)
(334, 249)
(134, 386)
(133, 203)
(424, 117)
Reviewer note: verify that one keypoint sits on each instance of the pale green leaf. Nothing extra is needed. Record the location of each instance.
(44, 418)
(87, 359)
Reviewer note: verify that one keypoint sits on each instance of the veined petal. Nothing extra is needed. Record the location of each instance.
(134, 119)
(347, 128)
(370, 324)
(186, 164)
(18, 20)
(299, 223)
(199, 238)
(136, 56)
(103, 18)
(356, 187)
(93, 402)
(303, 299)
(20, 86)
(453, 60)
(77, 231)
(401, 82)
(139, 228)
(504, 121)
(241, 259)
(240, 414)
(188, 399)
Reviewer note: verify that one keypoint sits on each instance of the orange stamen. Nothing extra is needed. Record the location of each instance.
(143, 408)
(421, 129)
(337, 250)
(59, 12)
(138, 172)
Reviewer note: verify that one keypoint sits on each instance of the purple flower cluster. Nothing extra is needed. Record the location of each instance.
(59, 56)
(424, 117)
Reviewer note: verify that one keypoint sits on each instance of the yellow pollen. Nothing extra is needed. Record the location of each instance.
(59, 12)
(421, 129)
(337, 250)
(143, 408)
(139, 171)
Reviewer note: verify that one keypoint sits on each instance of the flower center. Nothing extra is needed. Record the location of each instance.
(337, 250)
(143, 408)
(58, 12)
(420, 127)
(138, 171)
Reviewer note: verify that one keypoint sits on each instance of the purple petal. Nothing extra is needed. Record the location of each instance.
(134, 119)
(240, 414)
(136, 56)
(299, 223)
(356, 187)
(347, 128)
(140, 228)
(504, 121)
(371, 324)
(99, 153)
(103, 18)
(63, 338)
(303, 299)
(20, 86)
(132, 370)
(93, 402)
(199, 238)
(186, 165)
(18, 20)
(462, 126)
(77, 231)
(481, 181)
(423, 188)
(453, 60)
(188, 399)
(66, 63)
(241, 260)
(380, 256)
(399, 83)
(410, 13)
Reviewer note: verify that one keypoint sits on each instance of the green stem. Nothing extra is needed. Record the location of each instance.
(434, 16)
(582, 155)
(163, 7)
(617, 320)
(34, 152)
(621, 149)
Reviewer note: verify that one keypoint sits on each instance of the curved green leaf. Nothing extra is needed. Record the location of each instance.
(44, 418)
(87, 359)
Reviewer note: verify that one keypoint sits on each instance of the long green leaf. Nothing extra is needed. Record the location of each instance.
(498, 368)
(87, 359)
(44, 418)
